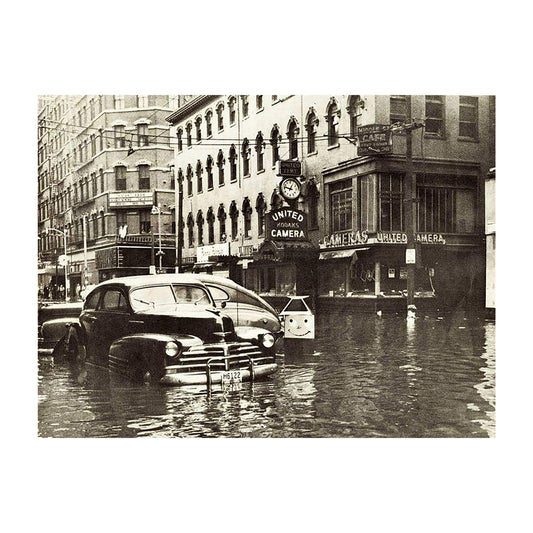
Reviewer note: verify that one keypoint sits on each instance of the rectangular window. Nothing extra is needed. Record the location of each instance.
(121, 219)
(120, 137)
(446, 210)
(391, 202)
(468, 117)
(398, 108)
(120, 178)
(145, 225)
(118, 101)
(142, 100)
(142, 135)
(341, 206)
(144, 177)
(435, 115)
(93, 145)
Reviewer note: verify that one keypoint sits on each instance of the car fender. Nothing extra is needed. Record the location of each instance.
(56, 330)
(254, 334)
(146, 349)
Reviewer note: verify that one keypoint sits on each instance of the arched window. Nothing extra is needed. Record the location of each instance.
(200, 224)
(179, 135)
(246, 157)
(232, 163)
(209, 172)
(220, 165)
(190, 229)
(180, 178)
(210, 217)
(199, 171)
(247, 214)
(220, 116)
(292, 134)
(208, 123)
(189, 180)
(221, 215)
(259, 148)
(260, 207)
(332, 119)
(245, 105)
(275, 138)
(232, 110)
(311, 194)
(234, 215)
(188, 129)
(355, 105)
(310, 126)
(276, 200)
(198, 126)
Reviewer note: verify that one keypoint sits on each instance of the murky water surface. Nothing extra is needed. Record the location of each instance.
(365, 376)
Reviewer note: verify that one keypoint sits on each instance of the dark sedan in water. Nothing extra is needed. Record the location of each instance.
(168, 328)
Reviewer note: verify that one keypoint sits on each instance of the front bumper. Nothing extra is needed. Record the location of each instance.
(174, 377)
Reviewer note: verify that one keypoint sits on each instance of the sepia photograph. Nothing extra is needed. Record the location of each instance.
(229, 310)
(266, 265)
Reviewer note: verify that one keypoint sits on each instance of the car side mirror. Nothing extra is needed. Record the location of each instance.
(223, 304)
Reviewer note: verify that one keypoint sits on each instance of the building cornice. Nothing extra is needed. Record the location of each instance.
(190, 108)
(351, 163)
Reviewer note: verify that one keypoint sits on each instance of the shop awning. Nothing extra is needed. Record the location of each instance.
(341, 254)
(204, 266)
(338, 254)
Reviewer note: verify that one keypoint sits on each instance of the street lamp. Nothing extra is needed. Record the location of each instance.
(65, 257)
(156, 210)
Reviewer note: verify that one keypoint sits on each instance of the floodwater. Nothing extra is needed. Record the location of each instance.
(365, 376)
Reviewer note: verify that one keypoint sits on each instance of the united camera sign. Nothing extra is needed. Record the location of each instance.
(286, 224)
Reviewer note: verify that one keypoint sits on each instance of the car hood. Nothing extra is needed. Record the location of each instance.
(202, 322)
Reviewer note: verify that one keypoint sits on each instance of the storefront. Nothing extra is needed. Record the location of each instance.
(373, 265)
(285, 264)
(135, 255)
(216, 259)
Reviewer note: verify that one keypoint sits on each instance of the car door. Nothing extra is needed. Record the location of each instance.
(88, 319)
(112, 322)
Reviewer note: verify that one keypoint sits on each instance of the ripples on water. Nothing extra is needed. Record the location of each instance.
(365, 376)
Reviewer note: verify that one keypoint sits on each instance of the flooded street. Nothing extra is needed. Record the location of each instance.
(366, 376)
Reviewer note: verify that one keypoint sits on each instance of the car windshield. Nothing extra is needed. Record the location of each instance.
(167, 295)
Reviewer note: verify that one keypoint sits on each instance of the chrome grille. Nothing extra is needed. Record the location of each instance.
(222, 357)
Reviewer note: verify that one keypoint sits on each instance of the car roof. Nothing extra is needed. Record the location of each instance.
(219, 280)
(133, 282)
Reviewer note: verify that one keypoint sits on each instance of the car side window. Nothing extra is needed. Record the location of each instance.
(114, 301)
(218, 294)
(92, 300)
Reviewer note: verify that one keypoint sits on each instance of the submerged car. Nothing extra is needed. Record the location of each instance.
(168, 329)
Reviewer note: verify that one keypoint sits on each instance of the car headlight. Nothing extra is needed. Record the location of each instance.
(268, 340)
(172, 349)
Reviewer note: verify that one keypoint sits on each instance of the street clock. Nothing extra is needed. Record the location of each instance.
(290, 188)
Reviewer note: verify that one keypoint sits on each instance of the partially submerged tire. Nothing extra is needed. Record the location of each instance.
(74, 351)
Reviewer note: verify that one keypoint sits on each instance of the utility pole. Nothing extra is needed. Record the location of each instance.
(179, 233)
(410, 212)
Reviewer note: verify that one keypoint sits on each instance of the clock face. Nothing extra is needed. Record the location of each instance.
(290, 188)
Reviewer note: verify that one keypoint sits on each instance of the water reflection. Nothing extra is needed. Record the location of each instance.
(364, 376)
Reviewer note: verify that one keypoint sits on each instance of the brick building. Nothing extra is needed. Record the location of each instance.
(104, 161)
(354, 198)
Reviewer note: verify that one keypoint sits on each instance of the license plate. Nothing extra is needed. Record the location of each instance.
(231, 377)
